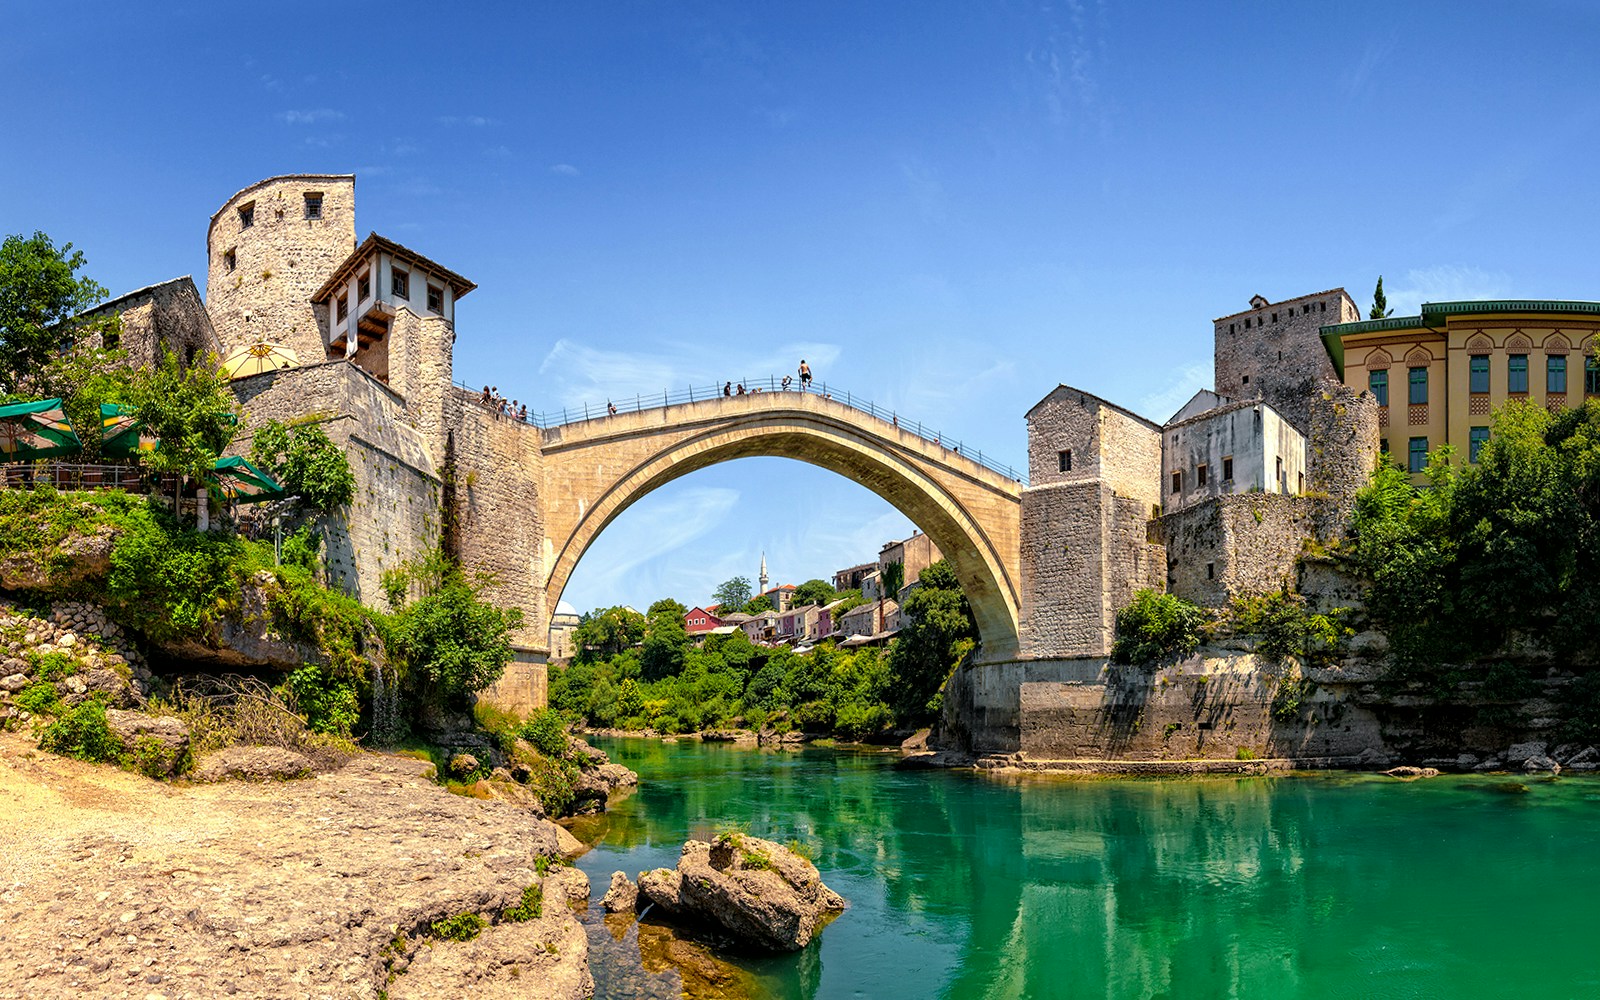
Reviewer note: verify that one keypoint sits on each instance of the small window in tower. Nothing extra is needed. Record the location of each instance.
(1211, 571)
(364, 286)
(400, 284)
(1064, 460)
(230, 260)
(1231, 328)
(1247, 322)
(1200, 475)
(1227, 468)
(1274, 317)
(1245, 380)
(344, 308)
(313, 204)
(247, 215)
(435, 299)
(1177, 481)
(1322, 307)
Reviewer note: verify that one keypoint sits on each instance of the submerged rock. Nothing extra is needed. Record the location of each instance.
(761, 893)
(1408, 773)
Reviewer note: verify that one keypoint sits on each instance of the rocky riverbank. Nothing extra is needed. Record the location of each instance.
(347, 884)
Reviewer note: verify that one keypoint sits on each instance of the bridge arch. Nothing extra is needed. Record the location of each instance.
(596, 469)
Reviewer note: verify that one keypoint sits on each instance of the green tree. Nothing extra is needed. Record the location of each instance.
(452, 642)
(306, 463)
(667, 604)
(813, 592)
(83, 377)
(939, 631)
(732, 594)
(41, 297)
(1380, 302)
(757, 604)
(665, 645)
(190, 410)
(1157, 625)
(607, 632)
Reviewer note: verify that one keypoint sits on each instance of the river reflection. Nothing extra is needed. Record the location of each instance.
(965, 886)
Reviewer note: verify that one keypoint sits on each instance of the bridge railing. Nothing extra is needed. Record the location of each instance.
(694, 394)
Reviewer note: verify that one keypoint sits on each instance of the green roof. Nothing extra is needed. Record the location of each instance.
(1333, 335)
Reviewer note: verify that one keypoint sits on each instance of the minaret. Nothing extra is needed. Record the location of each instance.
(763, 589)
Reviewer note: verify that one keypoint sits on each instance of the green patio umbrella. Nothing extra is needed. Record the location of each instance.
(241, 482)
(36, 430)
(122, 433)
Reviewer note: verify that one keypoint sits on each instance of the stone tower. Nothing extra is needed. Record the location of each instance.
(763, 589)
(1273, 351)
(270, 247)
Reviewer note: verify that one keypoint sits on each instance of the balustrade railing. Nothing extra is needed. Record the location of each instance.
(546, 419)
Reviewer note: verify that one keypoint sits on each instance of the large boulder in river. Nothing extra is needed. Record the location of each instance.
(763, 894)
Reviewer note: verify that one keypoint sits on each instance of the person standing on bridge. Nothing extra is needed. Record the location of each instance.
(805, 375)
(611, 407)
(727, 388)
(786, 383)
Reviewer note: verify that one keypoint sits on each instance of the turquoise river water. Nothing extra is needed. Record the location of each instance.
(1305, 886)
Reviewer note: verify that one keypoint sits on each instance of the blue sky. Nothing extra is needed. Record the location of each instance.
(947, 207)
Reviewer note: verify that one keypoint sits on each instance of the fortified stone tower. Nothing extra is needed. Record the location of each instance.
(270, 247)
(1274, 351)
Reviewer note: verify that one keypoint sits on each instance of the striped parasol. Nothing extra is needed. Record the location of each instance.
(258, 358)
(36, 430)
(241, 482)
(122, 433)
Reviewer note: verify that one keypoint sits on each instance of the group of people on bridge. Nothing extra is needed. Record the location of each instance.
(500, 407)
(729, 389)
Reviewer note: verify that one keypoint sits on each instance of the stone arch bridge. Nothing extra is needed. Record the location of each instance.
(593, 470)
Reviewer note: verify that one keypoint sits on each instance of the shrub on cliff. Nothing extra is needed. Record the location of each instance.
(1157, 625)
(84, 733)
(451, 641)
(308, 465)
(1284, 627)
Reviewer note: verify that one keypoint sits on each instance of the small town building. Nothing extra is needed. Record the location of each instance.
(362, 295)
(850, 578)
(699, 620)
(1439, 375)
(1237, 447)
(562, 624)
(870, 619)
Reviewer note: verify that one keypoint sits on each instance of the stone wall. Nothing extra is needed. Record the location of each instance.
(1216, 705)
(499, 520)
(1231, 545)
(1105, 441)
(168, 316)
(263, 292)
(396, 516)
(1280, 356)
(1342, 448)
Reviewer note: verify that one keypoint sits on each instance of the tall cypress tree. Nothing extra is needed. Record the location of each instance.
(1380, 302)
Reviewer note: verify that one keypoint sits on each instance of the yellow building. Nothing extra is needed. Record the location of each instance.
(1439, 376)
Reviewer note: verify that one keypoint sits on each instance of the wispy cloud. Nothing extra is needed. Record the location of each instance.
(1359, 79)
(1185, 380)
(578, 373)
(469, 121)
(310, 116)
(1444, 283)
(628, 557)
(565, 169)
(1066, 63)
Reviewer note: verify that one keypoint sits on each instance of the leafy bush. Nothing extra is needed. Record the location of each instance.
(531, 907)
(329, 705)
(83, 732)
(1157, 625)
(453, 642)
(155, 759)
(553, 781)
(52, 666)
(547, 733)
(461, 927)
(308, 465)
(39, 698)
(1284, 628)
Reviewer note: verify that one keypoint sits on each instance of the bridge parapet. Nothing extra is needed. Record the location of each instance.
(763, 389)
